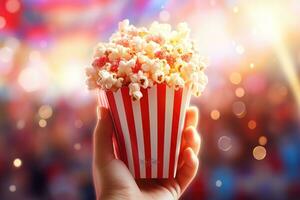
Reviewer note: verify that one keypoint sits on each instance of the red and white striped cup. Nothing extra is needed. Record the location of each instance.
(148, 132)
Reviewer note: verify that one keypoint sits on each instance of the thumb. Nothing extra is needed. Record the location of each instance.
(103, 147)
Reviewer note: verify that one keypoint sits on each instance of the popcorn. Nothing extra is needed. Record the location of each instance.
(158, 76)
(125, 67)
(113, 55)
(99, 50)
(140, 58)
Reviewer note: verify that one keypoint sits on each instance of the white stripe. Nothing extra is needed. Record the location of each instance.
(185, 101)
(124, 127)
(137, 114)
(168, 129)
(152, 99)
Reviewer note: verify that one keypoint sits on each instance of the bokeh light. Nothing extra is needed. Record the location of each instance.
(252, 98)
(262, 140)
(219, 183)
(215, 114)
(252, 124)
(12, 6)
(259, 152)
(239, 109)
(45, 111)
(235, 78)
(42, 123)
(240, 92)
(20, 124)
(17, 162)
(77, 146)
(30, 79)
(224, 143)
(12, 188)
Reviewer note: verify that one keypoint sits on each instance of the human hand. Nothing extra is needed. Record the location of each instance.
(113, 180)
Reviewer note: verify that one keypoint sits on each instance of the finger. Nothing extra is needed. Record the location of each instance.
(103, 147)
(189, 169)
(191, 139)
(191, 117)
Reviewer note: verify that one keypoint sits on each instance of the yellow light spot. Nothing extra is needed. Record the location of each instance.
(235, 9)
(235, 78)
(252, 65)
(42, 123)
(262, 140)
(45, 111)
(240, 92)
(259, 152)
(239, 109)
(12, 188)
(251, 124)
(17, 162)
(215, 114)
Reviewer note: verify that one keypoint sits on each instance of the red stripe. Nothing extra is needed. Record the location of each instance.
(175, 123)
(131, 127)
(146, 130)
(119, 133)
(161, 101)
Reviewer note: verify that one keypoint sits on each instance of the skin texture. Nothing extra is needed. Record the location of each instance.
(113, 180)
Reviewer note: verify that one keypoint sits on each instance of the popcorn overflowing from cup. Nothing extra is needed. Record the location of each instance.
(140, 58)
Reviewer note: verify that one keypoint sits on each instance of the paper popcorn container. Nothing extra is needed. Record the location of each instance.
(148, 131)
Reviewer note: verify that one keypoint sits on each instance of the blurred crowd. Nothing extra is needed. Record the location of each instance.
(249, 113)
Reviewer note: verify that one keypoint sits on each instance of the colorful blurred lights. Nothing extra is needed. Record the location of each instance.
(219, 183)
(235, 9)
(30, 80)
(251, 124)
(12, 6)
(215, 114)
(45, 111)
(12, 188)
(42, 123)
(77, 146)
(239, 109)
(224, 143)
(240, 92)
(262, 140)
(6, 54)
(20, 124)
(259, 152)
(17, 162)
(235, 78)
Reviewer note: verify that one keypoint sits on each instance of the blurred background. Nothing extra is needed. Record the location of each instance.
(249, 120)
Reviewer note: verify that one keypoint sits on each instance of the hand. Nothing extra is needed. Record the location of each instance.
(113, 180)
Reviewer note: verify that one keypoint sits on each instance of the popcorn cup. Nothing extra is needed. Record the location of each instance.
(148, 132)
